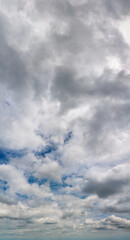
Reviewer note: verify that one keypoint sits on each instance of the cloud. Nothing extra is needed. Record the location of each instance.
(49, 170)
(111, 222)
(109, 183)
(119, 222)
(18, 183)
(64, 125)
(118, 9)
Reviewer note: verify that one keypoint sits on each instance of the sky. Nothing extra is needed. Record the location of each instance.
(64, 119)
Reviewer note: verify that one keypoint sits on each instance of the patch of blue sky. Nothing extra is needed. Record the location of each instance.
(84, 196)
(21, 196)
(68, 137)
(58, 187)
(3, 182)
(47, 150)
(57, 156)
(54, 186)
(48, 199)
(6, 154)
(33, 179)
(64, 178)
(76, 194)
(3, 157)
(3, 185)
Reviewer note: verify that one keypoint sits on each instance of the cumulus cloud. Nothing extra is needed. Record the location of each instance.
(50, 170)
(108, 183)
(111, 222)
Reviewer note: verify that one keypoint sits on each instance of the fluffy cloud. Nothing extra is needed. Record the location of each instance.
(50, 170)
(111, 222)
(105, 184)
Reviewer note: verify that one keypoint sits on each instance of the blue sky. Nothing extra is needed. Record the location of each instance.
(64, 119)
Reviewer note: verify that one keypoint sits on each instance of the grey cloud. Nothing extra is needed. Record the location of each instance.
(118, 8)
(75, 39)
(13, 72)
(118, 209)
(115, 9)
(19, 72)
(109, 118)
(119, 222)
(67, 214)
(111, 85)
(7, 199)
(65, 87)
(113, 182)
(80, 33)
(71, 91)
(58, 8)
(110, 223)
(119, 206)
(106, 188)
(24, 80)
(50, 170)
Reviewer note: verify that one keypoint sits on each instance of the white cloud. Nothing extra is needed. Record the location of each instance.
(50, 170)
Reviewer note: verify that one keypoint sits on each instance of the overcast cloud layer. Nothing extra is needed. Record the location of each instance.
(64, 119)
